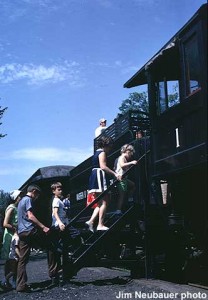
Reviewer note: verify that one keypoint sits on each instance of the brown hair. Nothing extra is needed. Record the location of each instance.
(55, 185)
(105, 141)
(32, 187)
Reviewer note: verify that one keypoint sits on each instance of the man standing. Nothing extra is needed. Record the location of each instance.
(29, 235)
(101, 128)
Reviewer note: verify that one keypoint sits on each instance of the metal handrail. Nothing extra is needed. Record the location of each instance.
(104, 192)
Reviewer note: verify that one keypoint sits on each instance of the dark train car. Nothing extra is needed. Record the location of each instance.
(177, 91)
(44, 177)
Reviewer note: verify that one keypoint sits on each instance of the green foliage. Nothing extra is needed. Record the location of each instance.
(4, 200)
(135, 101)
(173, 99)
(2, 110)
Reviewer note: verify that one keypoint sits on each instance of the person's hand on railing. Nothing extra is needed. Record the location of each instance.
(134, 162)
(61, 226)
(118, 177)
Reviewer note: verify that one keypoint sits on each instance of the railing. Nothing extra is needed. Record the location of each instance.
(133, 121)
(124, 126)
(86, 164)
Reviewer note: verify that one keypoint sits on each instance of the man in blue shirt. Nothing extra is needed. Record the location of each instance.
(28, 234)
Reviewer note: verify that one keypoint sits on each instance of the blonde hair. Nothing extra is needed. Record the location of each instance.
(127, 147)
(55, 185)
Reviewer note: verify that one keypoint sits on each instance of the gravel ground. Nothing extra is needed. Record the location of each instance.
(99, 284)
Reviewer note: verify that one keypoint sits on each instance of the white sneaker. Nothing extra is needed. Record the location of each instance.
(102, 228)
(90, 226)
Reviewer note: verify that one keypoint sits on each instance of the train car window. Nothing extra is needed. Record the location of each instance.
(192, 65)
(173, 92)
(162, 97)
(168, 94)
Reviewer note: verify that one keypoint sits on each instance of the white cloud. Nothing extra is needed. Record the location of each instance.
(117, 64)
(17, 166)
(71, 73)
(39, 74)
(100, 64)
(14, 10)
(50, 156)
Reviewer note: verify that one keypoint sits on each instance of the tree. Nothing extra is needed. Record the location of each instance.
(135, 101)
(4, 200)
(173, 98)
(2, 110)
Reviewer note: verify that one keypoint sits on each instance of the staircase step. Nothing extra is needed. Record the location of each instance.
(81, 257)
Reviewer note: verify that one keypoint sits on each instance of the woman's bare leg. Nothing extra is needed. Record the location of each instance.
(94, 215)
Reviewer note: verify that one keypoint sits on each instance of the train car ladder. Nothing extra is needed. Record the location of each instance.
(81, 257)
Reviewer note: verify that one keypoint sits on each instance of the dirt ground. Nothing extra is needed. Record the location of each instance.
(99, 284)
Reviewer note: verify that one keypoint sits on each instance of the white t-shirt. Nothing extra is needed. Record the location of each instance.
(120, 171)
(99, 130)
(61, 212)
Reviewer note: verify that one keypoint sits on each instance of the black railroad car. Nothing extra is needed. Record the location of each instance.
(177, 91)
(44, 177)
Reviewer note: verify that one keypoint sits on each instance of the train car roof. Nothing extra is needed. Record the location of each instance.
(168, 50)
(49, 172)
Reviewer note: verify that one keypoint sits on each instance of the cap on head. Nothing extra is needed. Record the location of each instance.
(102, 120)
(14, 194)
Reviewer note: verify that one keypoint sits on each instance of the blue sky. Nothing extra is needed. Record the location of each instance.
(63, 64)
